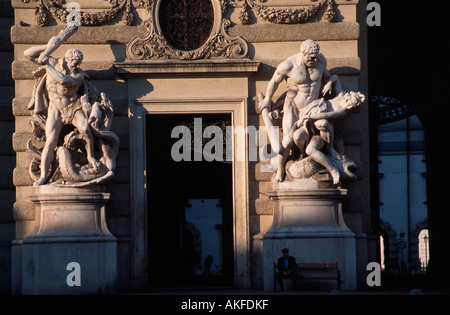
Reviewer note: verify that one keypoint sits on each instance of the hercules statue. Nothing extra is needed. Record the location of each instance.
(309, 86)
(63, 95)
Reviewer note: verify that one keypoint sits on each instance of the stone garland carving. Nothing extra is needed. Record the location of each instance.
(285, 16)
(55, 8)
(154, 46)
(72, 144)
(277, 16)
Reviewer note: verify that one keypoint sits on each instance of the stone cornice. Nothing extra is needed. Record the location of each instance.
(108, 34)
(192, 66)
(122, 34)
(108, 70)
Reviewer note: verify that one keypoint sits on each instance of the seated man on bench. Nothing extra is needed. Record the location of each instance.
(286, 267)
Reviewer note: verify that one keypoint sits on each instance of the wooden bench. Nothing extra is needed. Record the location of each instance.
(314, 271)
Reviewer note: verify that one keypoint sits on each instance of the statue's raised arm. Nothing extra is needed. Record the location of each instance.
(41, 54)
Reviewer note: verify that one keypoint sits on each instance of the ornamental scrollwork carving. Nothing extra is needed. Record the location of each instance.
(218, 45)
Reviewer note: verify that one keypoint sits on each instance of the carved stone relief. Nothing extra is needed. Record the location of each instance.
(205, 37)
(55, 8)
(285, 16)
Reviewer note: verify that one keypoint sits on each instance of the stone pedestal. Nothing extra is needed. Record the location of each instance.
(308, 220)
(70, 227)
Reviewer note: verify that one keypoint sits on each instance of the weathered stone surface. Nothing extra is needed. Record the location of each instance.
(296, 32)
(264, 206)
(108, 34)
(21, 177)
(23, 211)
(20, 139)
(262, 176)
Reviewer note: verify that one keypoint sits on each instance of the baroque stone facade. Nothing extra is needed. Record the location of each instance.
(127, 56)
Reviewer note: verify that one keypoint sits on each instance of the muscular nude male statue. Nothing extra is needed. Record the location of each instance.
(307, 79)
(65, 104)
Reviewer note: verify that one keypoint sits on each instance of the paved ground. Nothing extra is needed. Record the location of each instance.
(211, 291)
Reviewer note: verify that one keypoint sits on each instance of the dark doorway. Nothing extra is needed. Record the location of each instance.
(189, 207)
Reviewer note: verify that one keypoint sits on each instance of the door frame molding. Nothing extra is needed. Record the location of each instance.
(237, 107)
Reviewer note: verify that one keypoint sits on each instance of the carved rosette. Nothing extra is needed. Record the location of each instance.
(155, 46)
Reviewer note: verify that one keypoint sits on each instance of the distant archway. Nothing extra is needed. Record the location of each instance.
(390, 238)
(421, 236)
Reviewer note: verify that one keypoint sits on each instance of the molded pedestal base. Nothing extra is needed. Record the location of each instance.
(309, 221)
(70, 227)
